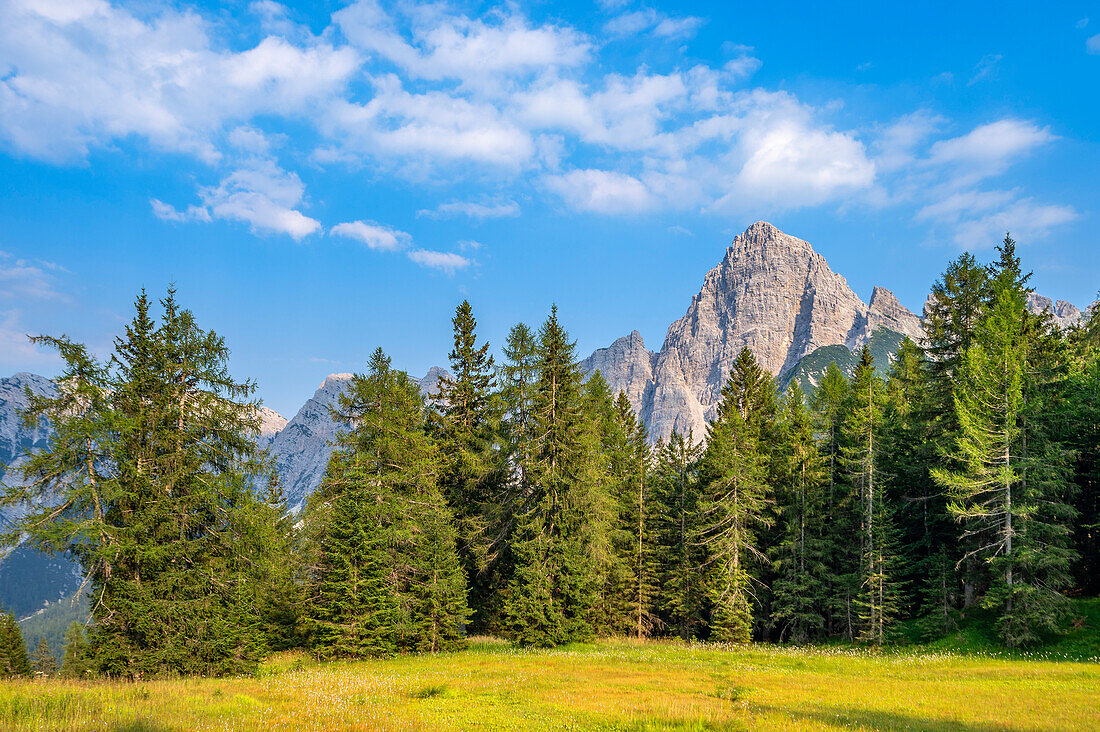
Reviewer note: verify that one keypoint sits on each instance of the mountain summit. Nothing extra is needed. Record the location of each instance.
(771, 293)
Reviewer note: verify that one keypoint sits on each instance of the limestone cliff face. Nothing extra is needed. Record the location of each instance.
(626, 364)
(303, 446)
(1064, 314)
(771, 293)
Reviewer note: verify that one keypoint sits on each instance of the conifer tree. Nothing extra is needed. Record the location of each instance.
(14, 661)
(388, 575)
(468, 436)
(147, 484)
(861, 458)
(555, 582)
(681, 597)
(800, 554)
(1017, 522)
(74, 657)
(637, 516)
(927, 536)
(830, 400)
(734, 498)
(43, 662)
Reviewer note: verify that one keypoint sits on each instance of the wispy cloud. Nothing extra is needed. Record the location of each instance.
(985, 69)
(444, 261)
(488, 209)
(374, 235)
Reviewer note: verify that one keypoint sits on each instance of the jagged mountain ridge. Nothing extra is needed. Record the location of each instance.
(302, 448)
(771, 293)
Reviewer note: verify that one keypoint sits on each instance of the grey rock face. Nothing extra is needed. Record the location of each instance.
(626, 365)
(15, 439)
(1064, 314)
(886, 311)
(302, 448)
(773, 294)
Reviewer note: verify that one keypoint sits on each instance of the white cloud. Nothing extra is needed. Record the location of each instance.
(82, 75)
(22, 280)
(1083, 23)
(263, 195)
(1093, 44)
(897, 144)
(446, 261)
(786, 159)
(487, 209)
(601, 191)
(438, 45)
(985, 69)
(650, 20)
(1025, 218)
(167, 212)
(988, 149)
(16, 350)
(429, 127)
(374, 235)
(468, 244)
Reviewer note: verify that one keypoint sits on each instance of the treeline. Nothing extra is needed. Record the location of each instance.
(525, 501)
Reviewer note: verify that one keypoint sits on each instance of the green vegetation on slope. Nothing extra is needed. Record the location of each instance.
(883, 346)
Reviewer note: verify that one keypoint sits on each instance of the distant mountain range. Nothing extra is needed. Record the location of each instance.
(771, 293)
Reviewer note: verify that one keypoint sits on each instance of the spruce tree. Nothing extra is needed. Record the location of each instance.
(388, 575)
(861, 458)
(734, 496)
(14, 661)
(468, 436)
(43, 662)
(681, 597)
(555, 581)
(830, 400)
(800, 554)
(74, 657)
(637, 516)
(147, 483)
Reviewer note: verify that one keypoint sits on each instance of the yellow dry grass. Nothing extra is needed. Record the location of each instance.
(610, 685)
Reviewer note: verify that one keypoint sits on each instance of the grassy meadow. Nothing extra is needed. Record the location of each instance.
(614, 685)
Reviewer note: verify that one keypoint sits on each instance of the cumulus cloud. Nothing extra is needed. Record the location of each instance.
(1093, 44)
(445, 261)
(601, 191)
(991, 146)
(433, 95)
(374, 235)
(489, 209)
(264, 196)
(167, 212)
(80, 75)
(439, 45)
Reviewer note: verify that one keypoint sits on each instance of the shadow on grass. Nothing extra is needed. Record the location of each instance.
(851, 717)
(141, 725)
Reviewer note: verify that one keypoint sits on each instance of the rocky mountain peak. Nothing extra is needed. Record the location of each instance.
(626, 365)
(771, 293)
(884, 310)
(1064, 314)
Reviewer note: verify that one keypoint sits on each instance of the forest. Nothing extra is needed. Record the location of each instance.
(527, 503)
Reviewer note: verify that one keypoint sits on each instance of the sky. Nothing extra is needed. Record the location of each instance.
(318, 180)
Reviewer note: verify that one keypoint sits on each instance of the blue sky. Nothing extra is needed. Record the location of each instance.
(319, 180)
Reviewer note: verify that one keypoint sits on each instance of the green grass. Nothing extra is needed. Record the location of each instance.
(611, 685)
(977, 634)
